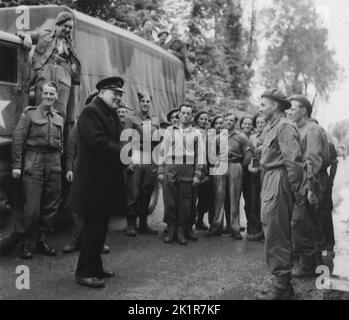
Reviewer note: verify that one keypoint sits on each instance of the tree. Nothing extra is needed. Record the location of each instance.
(298, 57)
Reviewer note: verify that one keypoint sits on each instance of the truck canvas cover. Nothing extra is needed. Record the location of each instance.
(105, 50)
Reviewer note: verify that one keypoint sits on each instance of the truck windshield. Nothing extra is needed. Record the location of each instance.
(8, 64)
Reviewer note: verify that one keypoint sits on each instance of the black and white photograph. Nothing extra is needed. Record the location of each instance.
(174, 155)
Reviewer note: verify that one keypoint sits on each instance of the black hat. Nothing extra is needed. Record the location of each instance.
(170, 114)
(111, 83)
(163, 31)
(278, 96)
(304, 101)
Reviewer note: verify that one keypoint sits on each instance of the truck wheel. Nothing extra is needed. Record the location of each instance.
(7, 229)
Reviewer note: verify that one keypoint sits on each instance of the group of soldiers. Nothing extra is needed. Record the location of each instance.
(277, 161)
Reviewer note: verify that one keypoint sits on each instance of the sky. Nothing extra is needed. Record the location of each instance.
(335, 14)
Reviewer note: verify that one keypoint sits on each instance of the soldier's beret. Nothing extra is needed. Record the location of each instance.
(169, 115)
(162, 32)
(122, 106)
(111, 83)
(199, 114)
(278, 96)
(304, 101)
(63, 17)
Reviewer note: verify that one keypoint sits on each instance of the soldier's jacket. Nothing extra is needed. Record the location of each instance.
(37, 129)
(282, 148)
(140, 124)
(312, 145)
(45, 41)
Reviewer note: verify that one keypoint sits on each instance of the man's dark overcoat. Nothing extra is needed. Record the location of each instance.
(98, 185)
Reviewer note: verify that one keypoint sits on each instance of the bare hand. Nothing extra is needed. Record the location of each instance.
(161, 177)
(69, 176)
(130, 167)
(16, 173)
(196, 181)
(27, 42)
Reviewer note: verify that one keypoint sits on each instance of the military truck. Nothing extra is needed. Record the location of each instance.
(14, 93)
(104, 50)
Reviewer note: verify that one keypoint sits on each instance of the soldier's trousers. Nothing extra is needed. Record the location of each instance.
(276, 212)
(304, 224)
(227, 185)
(179, 195)
(325, 213)
(253, 216)
(203, 198)
(140, 185)
(41, 185)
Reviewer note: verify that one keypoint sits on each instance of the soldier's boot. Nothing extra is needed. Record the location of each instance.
(72, 246)
(305, 268)
(25, 251)
(190, 234)
(170, 235)
(43, 248)
(144, 227)
(200, 225)
(131, 230)
(180, 236)
(277, 294)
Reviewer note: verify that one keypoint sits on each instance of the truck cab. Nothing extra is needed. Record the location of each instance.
(14, 94)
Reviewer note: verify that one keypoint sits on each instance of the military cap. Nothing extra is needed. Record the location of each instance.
(170, 114)
(304, 101)
(111, 83)
(122, 106)
(199, 114)
(63, 17)
(162, 32)
(278, 96)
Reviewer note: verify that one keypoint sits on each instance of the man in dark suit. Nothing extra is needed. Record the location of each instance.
(99, 180)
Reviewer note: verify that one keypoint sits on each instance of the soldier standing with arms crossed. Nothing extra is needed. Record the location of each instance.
(283, 175)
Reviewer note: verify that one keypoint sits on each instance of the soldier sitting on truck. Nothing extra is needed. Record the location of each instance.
(36, 157)
(54, 59)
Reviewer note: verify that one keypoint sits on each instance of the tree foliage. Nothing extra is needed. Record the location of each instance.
(298, 55)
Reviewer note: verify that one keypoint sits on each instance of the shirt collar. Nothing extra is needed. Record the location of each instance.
(276, 120)
(144, 118)
(45, 111)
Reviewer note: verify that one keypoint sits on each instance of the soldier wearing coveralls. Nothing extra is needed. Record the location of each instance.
(141, 173)
(305, 220)
(180, 171)
(281, 159)
(55, 59)
(36, 156)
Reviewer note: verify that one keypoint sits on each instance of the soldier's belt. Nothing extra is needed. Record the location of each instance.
(42, 149)
(235, 160)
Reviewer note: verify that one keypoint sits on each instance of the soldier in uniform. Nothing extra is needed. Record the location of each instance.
(122, 113)
(141, 172)
(55, 59)
(203, 190)
(281, 159)
(180, 171)
(36, 157)
(305, 221)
